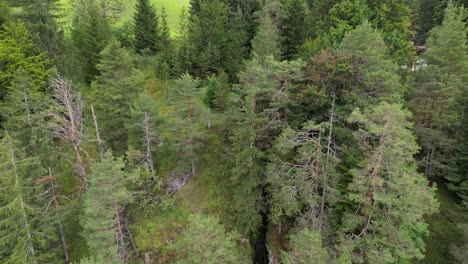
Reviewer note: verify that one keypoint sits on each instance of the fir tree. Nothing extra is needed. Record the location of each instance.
(306, 247)
(113, 92)
(17, 49)
(188, 126)
(295, 29)
(41, 18)
(146, 23)
(266, 41)
(25, 110)
(389, 195)
(206, 241)
(439, 97)
(90, 35)
(101, 220)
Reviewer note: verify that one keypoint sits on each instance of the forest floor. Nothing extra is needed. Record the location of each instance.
(443, 228)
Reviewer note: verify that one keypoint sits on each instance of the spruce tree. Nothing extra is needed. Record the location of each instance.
(188, 125)
(146, 24)
(295, 27)
(90, 35)
(41, 18)
(113, 92)
(206, 241)
(24, 112)
(17, 50)
(101, 220)
(375, 75)
(388, 195)
(439, 99)
(266, 41)
(306, 247)
(393, 19)
(166, 51)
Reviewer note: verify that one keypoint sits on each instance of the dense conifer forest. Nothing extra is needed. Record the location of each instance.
(233, 131)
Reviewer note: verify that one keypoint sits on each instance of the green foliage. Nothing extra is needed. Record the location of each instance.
(440, 96)
(392, 18)
(266, 41)
(206, 241)
(106, 196)
(113, 92)
(300, 176)
(218, 39)
(382, 209)
(295, 26)
(219, 96)
(374, 73)
(17, 49)
(41, 18)
(306, 248)
(90, 35)
(24, 237)
(24, 111)
(146, 23)
(188, 125)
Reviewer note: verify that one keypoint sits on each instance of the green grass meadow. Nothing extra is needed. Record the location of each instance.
(173, 9)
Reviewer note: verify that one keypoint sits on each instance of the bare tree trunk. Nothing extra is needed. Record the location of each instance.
(329, 142)
(56, 205)
(130, 235)
(81, 167)
(98, 137)
(149, 140)
(23, 210)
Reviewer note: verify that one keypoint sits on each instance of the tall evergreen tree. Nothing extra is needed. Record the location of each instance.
(41, 18)
(24, 111)
(90, 35)
(101, 220)
(306, 247)
(389, 196)
(206, 241)
(146, 23)
(188, 126)
(439, 100)
(393, 19)
(17, 50)
(113, 92)
(267, 40)
(295, 27)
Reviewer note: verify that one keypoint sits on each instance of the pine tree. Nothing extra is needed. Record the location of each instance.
(90, 35)
(188, 126)
(306, 247)
(295, 29)
(113, 91)
(389, 196)
(342, 18)
(392, 18)
(206, 241)
(374, 74)
(438, 101)
(300, 174)
(166, 52)
(25, 238)
(266, 41)
(24, 112)
(41, 18)
(17, 49)
(101, 220)
(146, 23)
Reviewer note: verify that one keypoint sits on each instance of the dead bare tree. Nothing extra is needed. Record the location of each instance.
(98, 137)
(68, 120)
(54, 201)
(149, 138)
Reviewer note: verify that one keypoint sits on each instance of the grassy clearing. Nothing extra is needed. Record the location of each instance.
(173, 9)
